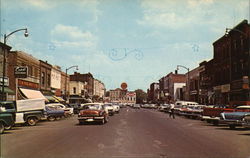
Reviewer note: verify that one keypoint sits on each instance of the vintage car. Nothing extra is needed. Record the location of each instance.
(164, 107)
(7, 115)
(67, 110)
(109, 109)
(136, 106)
(235, 118)
(53, 113)
(192, 111)
(93, 112)
(211, 113)
(116, 108)
(246, 121)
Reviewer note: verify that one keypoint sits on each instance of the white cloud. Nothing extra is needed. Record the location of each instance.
(73, 36)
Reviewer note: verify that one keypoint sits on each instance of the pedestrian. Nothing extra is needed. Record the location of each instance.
(171, 111)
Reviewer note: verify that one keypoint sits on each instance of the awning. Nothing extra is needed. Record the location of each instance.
(7, 90)
(32, 94)
(59, 99)
(51, 99)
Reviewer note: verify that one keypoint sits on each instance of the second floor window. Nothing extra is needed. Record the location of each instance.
(43, 78)
(74, 90)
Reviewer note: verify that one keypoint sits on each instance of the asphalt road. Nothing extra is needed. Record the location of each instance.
(135, 133)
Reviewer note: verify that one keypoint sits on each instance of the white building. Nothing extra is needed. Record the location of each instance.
(77, 88)
(56, 77)
(99, 88)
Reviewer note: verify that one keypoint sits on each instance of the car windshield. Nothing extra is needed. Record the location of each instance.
(91, 107)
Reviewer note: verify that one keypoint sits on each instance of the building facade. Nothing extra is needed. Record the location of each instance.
(56, 80)
(85, 78)
(231, 60)
(7, 94)
(45, 77)
(32, 81)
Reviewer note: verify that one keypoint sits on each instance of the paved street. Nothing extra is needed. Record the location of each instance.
(132, 133)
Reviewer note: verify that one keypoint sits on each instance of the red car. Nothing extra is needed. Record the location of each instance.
(92, 112)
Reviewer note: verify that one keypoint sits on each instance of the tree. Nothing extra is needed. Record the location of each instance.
(141, 96)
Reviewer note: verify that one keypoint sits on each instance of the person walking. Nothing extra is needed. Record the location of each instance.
(171, 111)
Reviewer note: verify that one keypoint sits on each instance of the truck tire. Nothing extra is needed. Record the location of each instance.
(1, 128)
(31, 121)
(51, 118)
(58, 118)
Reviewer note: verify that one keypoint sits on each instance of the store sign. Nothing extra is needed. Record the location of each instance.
(21, 72)
(6, 81)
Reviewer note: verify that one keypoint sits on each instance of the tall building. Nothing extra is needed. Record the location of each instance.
(232, 66)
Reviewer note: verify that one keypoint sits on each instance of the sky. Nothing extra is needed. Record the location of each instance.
(132, 41)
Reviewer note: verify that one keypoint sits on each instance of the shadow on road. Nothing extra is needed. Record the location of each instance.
(236, 129)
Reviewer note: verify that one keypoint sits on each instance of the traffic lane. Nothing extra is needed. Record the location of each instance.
(214, 141)
(65, 138)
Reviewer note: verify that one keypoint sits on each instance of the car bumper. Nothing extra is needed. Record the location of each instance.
(96, 118)
(210, 118)
(232, 122)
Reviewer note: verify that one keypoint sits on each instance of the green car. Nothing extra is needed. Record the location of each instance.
(7, 115)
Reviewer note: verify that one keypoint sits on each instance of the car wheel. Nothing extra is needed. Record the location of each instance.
(106, 119)
(58, 118)
(1, 127)
(31, 121)
(232, 126)
(215, 123)
(8, 127)
(81, 122)
(51, 118)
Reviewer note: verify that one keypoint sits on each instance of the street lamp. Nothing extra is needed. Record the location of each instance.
(177, 68)
(66, 79)
(4, 55)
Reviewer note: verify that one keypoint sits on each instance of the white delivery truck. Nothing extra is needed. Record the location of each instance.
(29, 111)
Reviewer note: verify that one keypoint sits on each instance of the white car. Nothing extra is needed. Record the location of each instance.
(116, 108)
(110, 108)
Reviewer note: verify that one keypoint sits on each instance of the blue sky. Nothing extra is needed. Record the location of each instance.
(133, 41)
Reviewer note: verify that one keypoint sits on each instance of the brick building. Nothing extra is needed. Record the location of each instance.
(232, 60)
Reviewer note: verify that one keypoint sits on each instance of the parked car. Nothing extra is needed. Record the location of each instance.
(7, 115)
(67, 111)
(180, 104)
(94, 112)
(164, 107)
(192, 111)
(136, 106)
(116, 108)
(233, 119)
(246, 121)
(53, 113)
(110, 108)
(211, 113)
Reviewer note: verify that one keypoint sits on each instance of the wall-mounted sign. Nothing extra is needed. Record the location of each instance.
(21, 72)
(6, 81)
